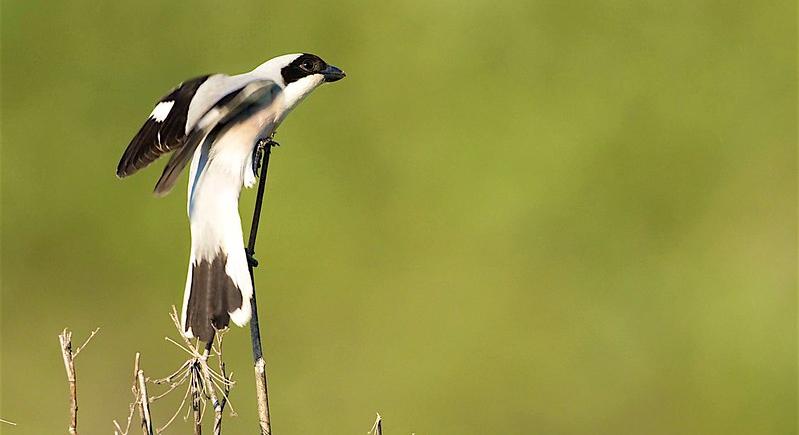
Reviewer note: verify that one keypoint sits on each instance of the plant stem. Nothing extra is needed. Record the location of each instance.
(261, 386)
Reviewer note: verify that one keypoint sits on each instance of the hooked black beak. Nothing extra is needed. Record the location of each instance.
(332, 74)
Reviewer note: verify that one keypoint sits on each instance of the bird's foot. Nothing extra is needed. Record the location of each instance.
(264, 143)
(250, 258)
(257, 155)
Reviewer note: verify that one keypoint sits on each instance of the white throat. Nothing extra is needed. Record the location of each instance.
(296, 91)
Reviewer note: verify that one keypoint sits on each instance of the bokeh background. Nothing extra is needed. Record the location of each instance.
(511, 217)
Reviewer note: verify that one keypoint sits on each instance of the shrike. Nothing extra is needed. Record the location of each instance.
(216, 121)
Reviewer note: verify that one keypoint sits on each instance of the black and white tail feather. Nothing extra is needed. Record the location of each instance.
(215, 122)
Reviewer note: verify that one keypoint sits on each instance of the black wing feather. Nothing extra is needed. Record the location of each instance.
(157, 138)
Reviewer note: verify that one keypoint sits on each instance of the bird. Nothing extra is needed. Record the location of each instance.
(216, 122)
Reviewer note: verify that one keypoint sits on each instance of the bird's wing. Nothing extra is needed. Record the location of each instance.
(255, 93)
(165, 130)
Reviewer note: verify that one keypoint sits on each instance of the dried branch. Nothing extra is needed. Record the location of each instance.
(65, 341)
(209, 389)
(141, 401)
(182, 403)
(262, 397)
(377, 426)
(117, 429)
(80, 348)
(203, 384)
(196, 398)
(144, 400)
(226, 381)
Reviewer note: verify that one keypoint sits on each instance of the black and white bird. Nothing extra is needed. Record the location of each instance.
(216, 121)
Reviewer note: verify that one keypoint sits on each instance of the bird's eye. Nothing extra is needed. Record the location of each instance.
(307, 66)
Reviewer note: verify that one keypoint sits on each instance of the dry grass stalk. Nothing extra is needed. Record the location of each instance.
(141, 401)
(377, 426)
(140, 387)
(202, 385)
(224, 388)
(68, 355)
(262, 397)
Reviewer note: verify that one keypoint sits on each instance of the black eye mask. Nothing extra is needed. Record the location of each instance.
(302, 66)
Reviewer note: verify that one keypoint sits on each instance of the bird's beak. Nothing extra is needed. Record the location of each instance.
(332, 74)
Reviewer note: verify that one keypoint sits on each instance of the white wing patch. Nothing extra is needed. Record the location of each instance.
(161, 110)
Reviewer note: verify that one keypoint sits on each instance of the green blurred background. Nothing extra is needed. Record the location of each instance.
(512, 217)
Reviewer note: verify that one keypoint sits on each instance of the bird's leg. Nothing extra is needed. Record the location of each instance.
(258, 152)
(264, 144)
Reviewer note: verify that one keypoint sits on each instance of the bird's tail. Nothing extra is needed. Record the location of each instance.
(212, 298)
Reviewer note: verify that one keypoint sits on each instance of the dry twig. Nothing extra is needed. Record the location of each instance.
(80, 348)
(144, 401)
(141, 401)
(224, 388)
(377, 426)
(65, 340)
(203, 385)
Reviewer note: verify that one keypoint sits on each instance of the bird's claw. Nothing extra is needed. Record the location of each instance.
(258, 152)
(264, 141)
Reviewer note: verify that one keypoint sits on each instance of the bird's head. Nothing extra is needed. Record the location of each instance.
(295, 67)
(299, 74)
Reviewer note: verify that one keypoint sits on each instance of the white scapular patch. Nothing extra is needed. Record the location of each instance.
(161, 110)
